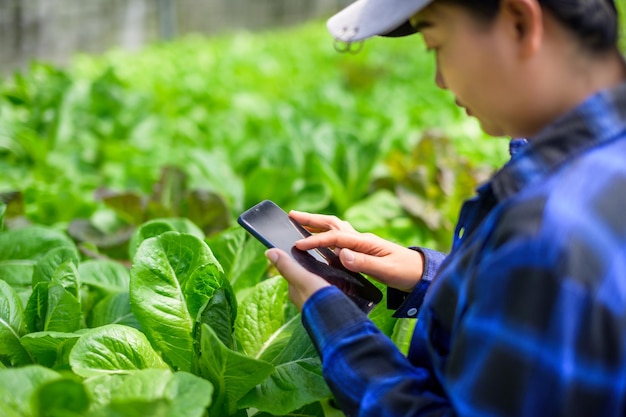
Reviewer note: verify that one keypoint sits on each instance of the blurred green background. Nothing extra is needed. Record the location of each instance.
(203, 127)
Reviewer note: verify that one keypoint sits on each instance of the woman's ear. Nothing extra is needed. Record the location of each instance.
(524, 18)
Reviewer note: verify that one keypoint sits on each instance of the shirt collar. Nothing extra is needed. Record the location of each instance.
(599, 118)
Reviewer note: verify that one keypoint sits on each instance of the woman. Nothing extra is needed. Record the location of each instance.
(526, 316)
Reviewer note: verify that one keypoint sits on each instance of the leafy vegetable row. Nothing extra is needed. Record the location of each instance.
(181, 333)
(205, 128)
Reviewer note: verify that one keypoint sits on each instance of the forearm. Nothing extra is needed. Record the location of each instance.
(368, 375)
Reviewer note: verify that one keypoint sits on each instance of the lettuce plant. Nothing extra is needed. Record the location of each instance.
(195, 327)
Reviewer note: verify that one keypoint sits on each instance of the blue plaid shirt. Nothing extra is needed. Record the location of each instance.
(527, 314)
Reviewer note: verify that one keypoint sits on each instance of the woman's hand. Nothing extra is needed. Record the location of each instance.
(394, 265)
(302, 283)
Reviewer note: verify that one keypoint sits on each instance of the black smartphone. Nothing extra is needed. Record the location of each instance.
(275, 229)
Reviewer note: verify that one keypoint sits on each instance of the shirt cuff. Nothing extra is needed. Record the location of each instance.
(327, 313)
(408, 304)
(432, 262)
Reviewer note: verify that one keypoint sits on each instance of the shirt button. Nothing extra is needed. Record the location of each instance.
(412, 312)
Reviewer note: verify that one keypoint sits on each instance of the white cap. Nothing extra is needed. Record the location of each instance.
(366, 18)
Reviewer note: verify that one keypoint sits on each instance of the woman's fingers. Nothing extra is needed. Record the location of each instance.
(320, 222)
(389, 263)
(392, 264)
(360, 242)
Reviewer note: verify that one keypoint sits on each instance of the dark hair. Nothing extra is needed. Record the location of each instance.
(593, 22)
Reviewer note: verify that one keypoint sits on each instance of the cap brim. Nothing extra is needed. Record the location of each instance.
(366, 18)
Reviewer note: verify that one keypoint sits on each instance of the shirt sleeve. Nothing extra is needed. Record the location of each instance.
(407, 304)
(365, 371)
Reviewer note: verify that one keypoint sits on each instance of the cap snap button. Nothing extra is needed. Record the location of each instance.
(412, 312)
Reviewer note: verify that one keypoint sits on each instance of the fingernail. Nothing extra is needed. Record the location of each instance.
(348, 255)
(271, 255)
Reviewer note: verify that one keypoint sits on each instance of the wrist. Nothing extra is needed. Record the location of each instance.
(412, 271)
(300, 295)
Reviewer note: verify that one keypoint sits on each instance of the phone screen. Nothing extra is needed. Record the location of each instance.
(274, 228)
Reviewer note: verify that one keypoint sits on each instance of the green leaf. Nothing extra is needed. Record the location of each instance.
(219, 313)
(381, 315)
(46, 267)
(66, 275)
(37, 308)
(31, 242)
(150, 392)
(63, 313)
(403, 333)
(279, 340)
(48, 347)
(214, 169)
(8, 411)
(268, 331)
(113, 349)
(103, 387)
(107, 275)
(54, 306)
(311, 410)
(297, 379)
(17, 386)
(374, 212)
(19, 275)
(99, 279)
(208, 210)
(17, 272)
(275, 181)
(241, 256)
(202, 286)
(323, 170)
(3, 210)
(134, 408)
(12, 327)
(61, 397)
(114, 309)
(157, 227)
(172, 277)
(231, 373)
(263, 314)
(314, 196)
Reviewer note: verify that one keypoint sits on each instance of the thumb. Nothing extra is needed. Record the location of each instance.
(284, 263)
(302, 283)
(273, 255)
(291, 270)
